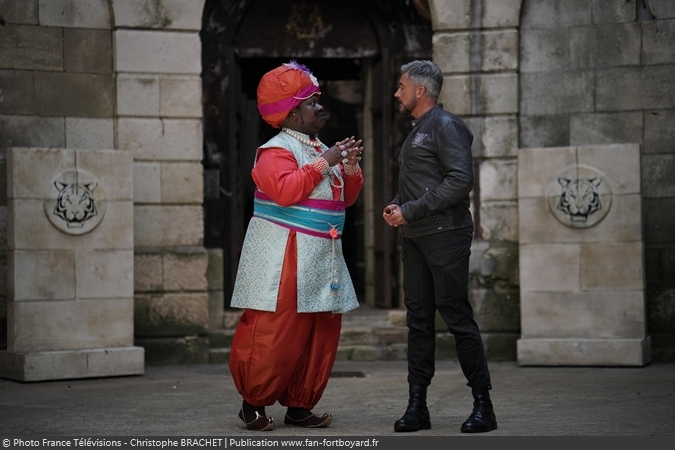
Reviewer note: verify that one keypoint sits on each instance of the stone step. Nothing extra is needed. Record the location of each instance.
(220, 338)
(367, 334)
(362, 316)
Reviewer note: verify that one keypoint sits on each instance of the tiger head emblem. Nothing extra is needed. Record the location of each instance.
(75, 203)
(579, 198)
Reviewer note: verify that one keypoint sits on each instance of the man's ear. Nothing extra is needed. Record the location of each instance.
(419, 91)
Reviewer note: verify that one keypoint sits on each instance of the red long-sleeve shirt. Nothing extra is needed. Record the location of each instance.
(277, 174)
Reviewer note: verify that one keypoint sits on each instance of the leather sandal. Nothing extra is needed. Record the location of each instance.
(260, 423)
(311, 421)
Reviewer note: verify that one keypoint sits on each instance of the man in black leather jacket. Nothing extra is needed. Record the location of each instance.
(432, 213)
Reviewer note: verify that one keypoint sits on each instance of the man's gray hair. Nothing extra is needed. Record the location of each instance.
(427, 74)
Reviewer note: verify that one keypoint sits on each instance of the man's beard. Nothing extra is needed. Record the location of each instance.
(407, 109)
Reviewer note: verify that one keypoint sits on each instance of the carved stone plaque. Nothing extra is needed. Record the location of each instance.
(74, 202)
(580, 196)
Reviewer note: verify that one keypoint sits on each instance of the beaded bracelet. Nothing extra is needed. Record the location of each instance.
(351, 169)
(321, 164)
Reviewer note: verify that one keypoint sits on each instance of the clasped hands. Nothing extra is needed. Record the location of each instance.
(392, 215)
(346, 151)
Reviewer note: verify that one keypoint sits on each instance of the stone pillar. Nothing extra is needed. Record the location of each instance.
(70, 239)
(581, 257)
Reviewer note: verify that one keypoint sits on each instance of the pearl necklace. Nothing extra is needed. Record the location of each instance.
(334, 173)
(315, 143)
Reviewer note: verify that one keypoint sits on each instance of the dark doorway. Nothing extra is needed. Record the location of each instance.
(354, 47)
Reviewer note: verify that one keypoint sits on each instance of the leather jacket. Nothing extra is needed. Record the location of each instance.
(435, 174)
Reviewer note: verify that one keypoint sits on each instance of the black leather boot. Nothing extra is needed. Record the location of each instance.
(482, 418)
(416, 417)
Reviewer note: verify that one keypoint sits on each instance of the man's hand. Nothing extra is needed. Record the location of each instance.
(392, 215)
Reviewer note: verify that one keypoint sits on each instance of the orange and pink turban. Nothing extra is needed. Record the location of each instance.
(282, 89)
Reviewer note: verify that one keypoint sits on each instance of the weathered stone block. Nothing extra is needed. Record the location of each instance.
(357, 336)
(499, 220)
(538, 166)
(542, 14)
(70, 364)
(499, 50)
(661, 312)
(476, 125)
(216, 307)
(498, 94)
(610, 11)
(87, 51)
(46, 275)
(537, 224)
(185, 269)
(608, 45)
(104, 274)
(108, 322)
(456, 94)
(561, 276)
(452, 51)
(544, 50)
(3, 233)
(500, 136)
(220, 338)
(74, 13)
(657, 176)
(147, 183)
(450, 14)
(619, 162)
(180, 96)
(72, 94)
(498, 179)
(165, 140)
(634, 88)
(158, 52)
(659, 221)
(37, 233)
(175, 350)
(114, 170)
(501, 13)
(657, 42)
(32, 131)
(19, 11)
(604, 267)
(493, 265)
(662, 9)
(606, 128)
(214, 271)
(659, 133)
(138, 95)
(31, 48)
(148, 272)
(164, 14)
(31, 170)
(556, 93)
(171, 314)
(168, 226)
(584, 352)
(90, 133)
(497, 309)
(544, 131)
(182, 183)
(16, 92)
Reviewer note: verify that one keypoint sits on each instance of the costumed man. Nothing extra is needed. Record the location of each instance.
(292, 279)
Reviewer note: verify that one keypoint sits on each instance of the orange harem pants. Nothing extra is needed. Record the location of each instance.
(284, 356)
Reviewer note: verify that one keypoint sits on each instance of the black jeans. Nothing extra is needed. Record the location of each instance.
(436, 277)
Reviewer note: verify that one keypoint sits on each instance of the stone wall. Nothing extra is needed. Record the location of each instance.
(121, 74)
(476, 45)
(592, 74)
